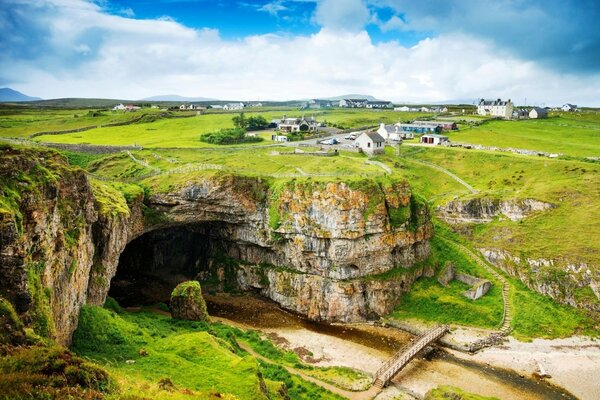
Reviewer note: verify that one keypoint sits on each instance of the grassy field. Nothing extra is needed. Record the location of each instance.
(573, 134)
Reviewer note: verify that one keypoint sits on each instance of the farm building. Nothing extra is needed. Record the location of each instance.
(569, 107)
(433, 138)
(234, 106)
(288, 125)
(353, 103)
(390, 132)
(402, 109)
(495, 108)
(537, 112)
(444, 125)
(520, 113)
(379, 104)
(371, 143)
(418, 128)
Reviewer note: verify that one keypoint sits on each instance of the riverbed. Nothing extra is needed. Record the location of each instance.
(365, 347)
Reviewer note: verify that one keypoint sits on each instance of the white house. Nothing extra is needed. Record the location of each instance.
(302, 124)
(233, 106)
(403, 109)
(353, 103)
(433, 138)
(424, 109)
(216, 106)
(370, 143)
(569, 107)
(390, 132)
(119, 107)
(495, 108)
(537, 112)
(379, 104)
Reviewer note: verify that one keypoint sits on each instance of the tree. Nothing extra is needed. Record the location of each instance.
(257, 123)
(239, 121)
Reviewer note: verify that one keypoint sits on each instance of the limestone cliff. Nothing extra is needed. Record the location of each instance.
(480, 210)
(330, 250)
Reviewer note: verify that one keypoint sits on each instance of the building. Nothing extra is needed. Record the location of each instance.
(302, 124)
(402, 109)
(569, 107)
(233, 106)
(433, 138)
(370, 143)
(379, 104)
(443, 125)
(390, 132)
(316, 104)
(131, 107)
(216, 106)
(537, 112)
(353, 103)
(418, 128)
(495, 108)
(119, 107)
(424, 109)
(520, 113)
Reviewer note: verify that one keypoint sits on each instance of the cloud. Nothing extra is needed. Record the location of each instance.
(395, 23)
(563, 35)
(81, 51)
(273, 8)
(344, 15)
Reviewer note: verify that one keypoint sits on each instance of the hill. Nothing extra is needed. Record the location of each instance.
(174, 97)
(353, 96)
(10, 95)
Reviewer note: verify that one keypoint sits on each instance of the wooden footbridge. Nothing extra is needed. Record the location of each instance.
(405, 354)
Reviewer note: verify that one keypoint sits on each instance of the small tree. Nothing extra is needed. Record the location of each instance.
(239, 121)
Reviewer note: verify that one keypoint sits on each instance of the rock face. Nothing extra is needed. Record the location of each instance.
(564, 281)
(484, 209)
(187, 302)
(329, 250)
(479, 286)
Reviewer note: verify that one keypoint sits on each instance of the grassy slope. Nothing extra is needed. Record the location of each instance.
(204, 358)
(574, 134)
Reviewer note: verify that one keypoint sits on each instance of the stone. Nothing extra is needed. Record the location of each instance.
(187, 302)
(480, 210)
(447, 273)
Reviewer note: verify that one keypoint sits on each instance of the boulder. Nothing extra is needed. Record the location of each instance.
(187, 302)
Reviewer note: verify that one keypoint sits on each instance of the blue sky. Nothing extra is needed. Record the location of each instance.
(404, 50)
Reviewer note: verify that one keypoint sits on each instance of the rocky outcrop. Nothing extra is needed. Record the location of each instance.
(187, 302)
(479, 287)
(564, 281)
(62, 237)
(481, 210)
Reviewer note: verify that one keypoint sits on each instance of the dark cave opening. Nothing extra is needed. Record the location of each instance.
(154, 263)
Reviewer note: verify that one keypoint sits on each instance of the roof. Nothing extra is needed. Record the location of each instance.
(540, 110)
(497, 102)
(375, 137)
(435, 135)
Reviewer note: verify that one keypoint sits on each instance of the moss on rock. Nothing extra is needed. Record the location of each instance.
(187, 302)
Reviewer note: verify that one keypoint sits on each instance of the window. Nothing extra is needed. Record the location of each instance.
(369, 144)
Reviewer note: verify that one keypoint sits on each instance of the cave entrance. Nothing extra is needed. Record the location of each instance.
(153, 264)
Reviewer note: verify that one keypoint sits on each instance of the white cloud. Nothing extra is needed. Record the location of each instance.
(347, 15)
(141, 58)
(273, 8)
(394, 23)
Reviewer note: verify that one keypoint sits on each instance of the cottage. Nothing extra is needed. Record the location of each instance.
(279, 138)
(402, 109)
(370, 143)
(131, 107)
(390, 132)
(353, 103)
(233, 106)
(442, 125)
(316, 104)
(379, 104)
(537, 112)
(290, 125)
(216, 106)
(424, 109)
(433, 138)
(569, 107)
(495, 108)
(119, 107)
(520, 113)
(418, 128)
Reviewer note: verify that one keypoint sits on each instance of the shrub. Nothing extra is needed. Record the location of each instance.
(229, 136)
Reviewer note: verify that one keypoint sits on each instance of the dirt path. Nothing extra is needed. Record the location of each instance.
(445, 171)
(364, 395)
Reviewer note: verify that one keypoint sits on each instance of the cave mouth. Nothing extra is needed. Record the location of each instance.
(154, 263)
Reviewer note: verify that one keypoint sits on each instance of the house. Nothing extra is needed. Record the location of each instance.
(418, 128)
(233, 106)
(119, 107)
(370, 143)
(433, 138)
(379, 104)
(424, 109)
(520, 113)
(537, 112)
(279, 138)
(390, 132)
(258, 104)
(569, 107)
(442, 125)
(216, 106)
(131, 107)
(495, 108)
(302, 124)
(403, 109)
(315, 104)
(353, 103)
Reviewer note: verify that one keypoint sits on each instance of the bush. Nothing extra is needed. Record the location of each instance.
(229, 136)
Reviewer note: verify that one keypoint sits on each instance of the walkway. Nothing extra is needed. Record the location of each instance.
(504, 326)
(364, 395)
(450, 174)
(391, 367)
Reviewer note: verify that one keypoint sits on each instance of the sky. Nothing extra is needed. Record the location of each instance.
(535, 52)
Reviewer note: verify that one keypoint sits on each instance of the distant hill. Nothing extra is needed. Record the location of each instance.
(174, 97)
(10, 95)
(353, 96)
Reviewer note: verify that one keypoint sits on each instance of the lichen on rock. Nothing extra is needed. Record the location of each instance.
(187, 302)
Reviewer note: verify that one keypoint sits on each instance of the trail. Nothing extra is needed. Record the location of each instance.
(364, 395)
(445, 171)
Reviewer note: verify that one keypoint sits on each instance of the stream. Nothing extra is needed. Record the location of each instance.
(365, 347)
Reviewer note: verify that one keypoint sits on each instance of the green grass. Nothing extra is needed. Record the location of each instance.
(202, 357)
(451, 392)
(573, 134)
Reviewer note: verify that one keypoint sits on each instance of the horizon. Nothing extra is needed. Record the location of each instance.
(284, 50)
